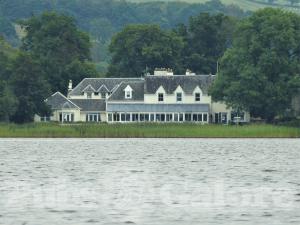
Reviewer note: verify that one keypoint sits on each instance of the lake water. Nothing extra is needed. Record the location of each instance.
(149, 181)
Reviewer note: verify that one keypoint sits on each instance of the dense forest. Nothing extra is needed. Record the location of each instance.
(103, 18)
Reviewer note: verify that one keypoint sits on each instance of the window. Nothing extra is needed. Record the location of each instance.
(89, 95)
(103, 95)
(158, 118)
(147, 118)
(110, 117)
(160, 97)
(135, 117)
(66, 117)
(205, 117)
(197, 117)
(142, 117)
(92, 117)
(197, 97)
(128, 94)
(169, 117)
(200, 117)
(152, 117)
(123, 117)
(178, 97)
(116, 117)
(127, 117)
(176, 117)
(180, 117)
(188, 117)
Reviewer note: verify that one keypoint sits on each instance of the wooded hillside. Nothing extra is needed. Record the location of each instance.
(102, 19)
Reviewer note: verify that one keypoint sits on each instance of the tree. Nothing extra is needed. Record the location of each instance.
(8, 102)
(30, 88)
(56, 43)
(138, 47)
(260, 73)
(206, 39)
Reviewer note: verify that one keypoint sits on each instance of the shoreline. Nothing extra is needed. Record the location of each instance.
(151, 131)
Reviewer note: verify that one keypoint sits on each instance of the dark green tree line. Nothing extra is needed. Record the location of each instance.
(139, 47)
(60, 48)
(260, 73)
(52, 52)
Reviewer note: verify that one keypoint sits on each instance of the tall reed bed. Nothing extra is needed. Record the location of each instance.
(53, 130)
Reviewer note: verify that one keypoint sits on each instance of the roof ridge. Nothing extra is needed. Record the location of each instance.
(99, 78)
(115, 89)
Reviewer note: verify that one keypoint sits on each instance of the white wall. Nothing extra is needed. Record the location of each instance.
(171, 98)
(55, 116)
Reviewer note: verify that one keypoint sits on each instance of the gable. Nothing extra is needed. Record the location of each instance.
(179, 89)
(59, 101)
(160, 90)
(197, 90)
(101, 84)
(103, 89)
(89, 89)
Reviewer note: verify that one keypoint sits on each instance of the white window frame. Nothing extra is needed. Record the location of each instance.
(158, 97)
(197, 99)
(128, 94)
(177, 95)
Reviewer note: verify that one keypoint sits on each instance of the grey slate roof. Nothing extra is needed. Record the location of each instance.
(89, 89)
(204, 108)
(59, 101)
(137, 92)
(96, 83)
(103, 89)
(170, 83)
(90, 105)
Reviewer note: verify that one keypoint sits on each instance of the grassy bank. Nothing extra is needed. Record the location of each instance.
(146, 130)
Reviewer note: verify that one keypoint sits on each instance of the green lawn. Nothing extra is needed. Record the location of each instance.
(52, 130)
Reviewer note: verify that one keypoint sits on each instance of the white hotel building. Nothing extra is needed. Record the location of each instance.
(162, 97)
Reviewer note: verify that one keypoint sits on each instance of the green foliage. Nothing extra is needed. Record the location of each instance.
(206, 39)
(6, 50)
(59, 47)
(30, 88)
(143, 46)
(8, 102)
(103, 18)
(261, 72)
(149, 130)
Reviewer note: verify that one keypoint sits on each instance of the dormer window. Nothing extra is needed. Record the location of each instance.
(103, 95)
(128, 92)
(197, 97)
(160, 97)
(179, 97)
(89, 95)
